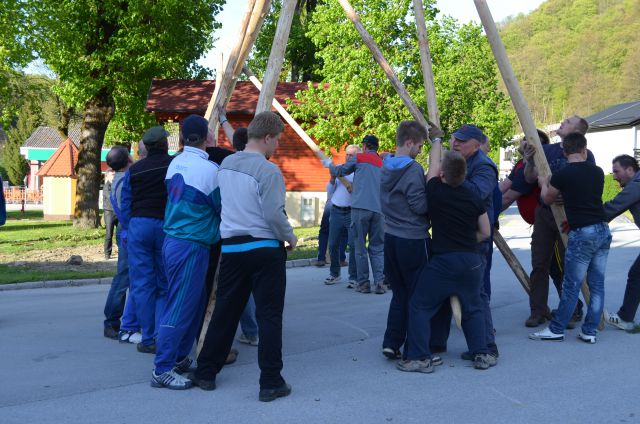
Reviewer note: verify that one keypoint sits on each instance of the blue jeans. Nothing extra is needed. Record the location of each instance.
(248, 323)
(586, 255)
(114, 306)
(147, 274)
(339, 224)
(323, 238)
(367, 223)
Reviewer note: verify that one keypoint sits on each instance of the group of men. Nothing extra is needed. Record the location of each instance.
(177, 216)
(217, 202)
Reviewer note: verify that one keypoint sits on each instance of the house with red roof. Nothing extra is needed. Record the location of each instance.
(59, 182)
(305, 178)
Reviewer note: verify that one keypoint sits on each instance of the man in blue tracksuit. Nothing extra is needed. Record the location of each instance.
(144, 197)
(191, 224)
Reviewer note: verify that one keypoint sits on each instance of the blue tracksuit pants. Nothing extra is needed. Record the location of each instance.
(146, 273)
(186, 266)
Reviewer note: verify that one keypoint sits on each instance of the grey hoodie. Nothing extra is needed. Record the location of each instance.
(628, 198)
(403, 197)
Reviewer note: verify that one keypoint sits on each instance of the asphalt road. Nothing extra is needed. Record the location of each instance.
(56, 367)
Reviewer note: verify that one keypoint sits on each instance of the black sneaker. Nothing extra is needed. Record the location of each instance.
(391, 353)
(181, 367)
(467, 356)
(111, 333)
(143, 348)
(207, 385)
(493, 349)
(267, 395)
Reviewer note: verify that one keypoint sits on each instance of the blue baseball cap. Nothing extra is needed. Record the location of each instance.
(195, 126)
(468, 131)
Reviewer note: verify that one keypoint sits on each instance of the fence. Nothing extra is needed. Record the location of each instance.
(17, 195)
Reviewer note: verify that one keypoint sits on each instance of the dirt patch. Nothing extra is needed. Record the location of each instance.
(55, 259)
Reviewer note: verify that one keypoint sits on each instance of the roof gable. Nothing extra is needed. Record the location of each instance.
(62, 163)
(623, 114)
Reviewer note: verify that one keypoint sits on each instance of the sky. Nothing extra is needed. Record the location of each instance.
(463, 10)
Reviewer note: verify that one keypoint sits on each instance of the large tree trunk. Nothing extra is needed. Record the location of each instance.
(97, 114)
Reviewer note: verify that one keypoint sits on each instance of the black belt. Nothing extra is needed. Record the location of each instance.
(343, 208)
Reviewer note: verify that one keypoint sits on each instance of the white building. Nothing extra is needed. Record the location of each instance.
(614, 131)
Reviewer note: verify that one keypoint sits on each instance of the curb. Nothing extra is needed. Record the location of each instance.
(296, 263)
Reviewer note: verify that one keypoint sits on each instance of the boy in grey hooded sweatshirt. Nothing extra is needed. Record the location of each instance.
(403, 200)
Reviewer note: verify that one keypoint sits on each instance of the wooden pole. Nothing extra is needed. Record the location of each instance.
(511, 259)
(252, 20)
(425, 61)
(276, 57)
(522, 110)
(292, 123)
(432, 105)
(211, 305)
(388, 70)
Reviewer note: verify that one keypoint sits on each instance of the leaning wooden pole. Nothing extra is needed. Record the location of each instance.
(522, 110)
(386, 68)
(292, 122)
(252, 20)
(432, 106)
(276, 57)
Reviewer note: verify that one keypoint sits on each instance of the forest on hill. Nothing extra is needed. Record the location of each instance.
(576, 56)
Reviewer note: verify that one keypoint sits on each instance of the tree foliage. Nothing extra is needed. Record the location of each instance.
(576, 56)
(357, 98)
(105, 52)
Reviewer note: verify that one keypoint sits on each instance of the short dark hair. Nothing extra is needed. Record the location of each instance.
(574, 143)
(264, 124)
(454, 168)
(583, 125)
(627, 161)
(410, 130)
(240, 139)
(544, 138)
(118, 158)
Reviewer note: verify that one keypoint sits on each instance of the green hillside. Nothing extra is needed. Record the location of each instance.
(576, 56)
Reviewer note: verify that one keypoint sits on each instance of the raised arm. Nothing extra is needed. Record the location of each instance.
(435, 159)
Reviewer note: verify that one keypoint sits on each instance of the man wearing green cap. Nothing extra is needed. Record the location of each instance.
(144, 197)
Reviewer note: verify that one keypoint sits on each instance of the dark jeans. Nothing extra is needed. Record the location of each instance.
(445, 275)
(261, 272)
(323, 237)
(629, 306)
(110, 222)
(114, 306)
(339, 233)
(403, 260)
(546, 248)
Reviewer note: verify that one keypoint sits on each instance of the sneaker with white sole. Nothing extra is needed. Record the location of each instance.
(484, 361)
(547, 335)
(331, 280)
(587, 338)
(133, 337)
(424, 366)
(253, 341)
(352, 284)
(615, 320)
(171, 380)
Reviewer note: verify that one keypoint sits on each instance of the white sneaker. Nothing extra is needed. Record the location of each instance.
(615, 320)
(547, 335)
(170, 380)
(332, 280)
(135, 338)
(586, 338)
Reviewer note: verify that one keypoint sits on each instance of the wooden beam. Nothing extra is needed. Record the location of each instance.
(387, 69)
(522, 110)
(276, 57)
(512, 261)
(292, 123)
(425, 61)
(252, 20)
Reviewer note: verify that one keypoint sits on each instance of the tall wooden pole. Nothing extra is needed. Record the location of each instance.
(522, 110)
(276, 57)
(425, 61)
(252, 20)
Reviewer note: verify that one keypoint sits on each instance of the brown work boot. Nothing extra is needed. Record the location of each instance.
(535, 320)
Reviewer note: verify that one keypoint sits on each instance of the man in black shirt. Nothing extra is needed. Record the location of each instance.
(459, 221)
(581, 184)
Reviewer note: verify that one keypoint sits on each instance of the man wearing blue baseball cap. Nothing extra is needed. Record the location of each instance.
(482, 178)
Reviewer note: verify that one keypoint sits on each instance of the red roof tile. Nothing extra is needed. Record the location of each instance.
(62, 163)
(192, 96)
